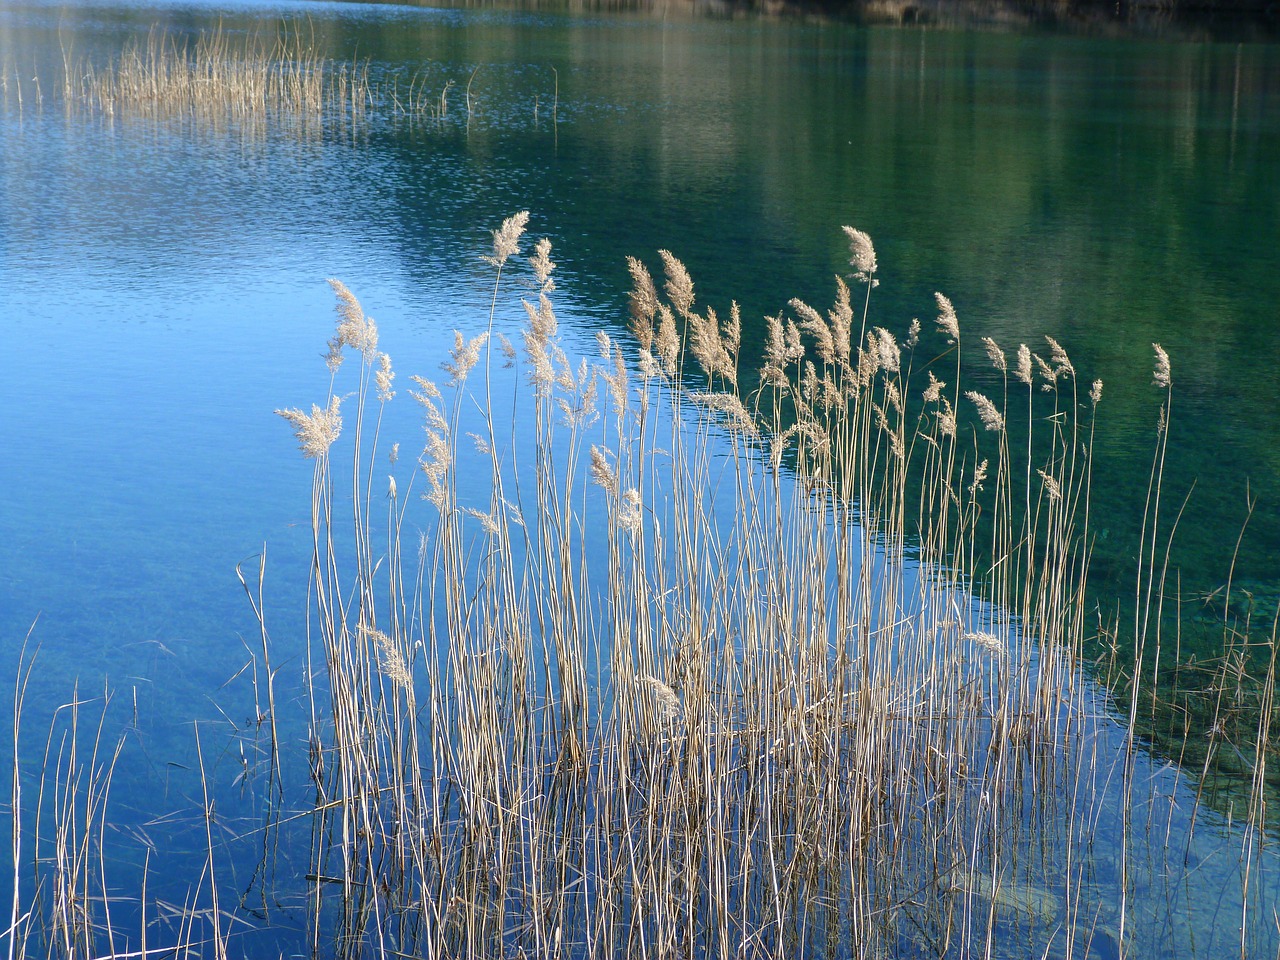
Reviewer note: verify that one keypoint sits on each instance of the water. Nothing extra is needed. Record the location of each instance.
(164, 286)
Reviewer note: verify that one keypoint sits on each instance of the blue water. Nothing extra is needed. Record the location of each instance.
(164, 289)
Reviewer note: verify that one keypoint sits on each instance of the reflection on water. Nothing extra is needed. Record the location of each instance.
(164, 292)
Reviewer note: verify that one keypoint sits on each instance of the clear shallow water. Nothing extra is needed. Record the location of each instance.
(164, 281)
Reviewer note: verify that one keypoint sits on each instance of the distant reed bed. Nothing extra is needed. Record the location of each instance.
(255, 78)
(645, 655)
(219, 77)
(214, 77)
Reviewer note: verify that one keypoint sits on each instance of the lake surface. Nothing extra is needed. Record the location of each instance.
(164, 286)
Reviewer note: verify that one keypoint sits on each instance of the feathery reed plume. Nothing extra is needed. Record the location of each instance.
(707, 345)
(382, 377)
(731, 332)
(735, 415)
(1161, 376)
(812, 323)
(995, 354)
(841, 317)
(679, 285)
(463, 357)
(987, 642)
(506, 239)
(602, 471)
(333, 355)
(1023, 369)
(991, 418)
(437, 453)
(644, 303)
(887, 352)
(390, 660)
(508, 350)
(631, 511)
(979, 478)
(538, 335)
(488, 522)
(1048, 372)
(1051, 486)
(933, 392)
(617, 380)
(1061, 363)
(355, 330)
(947, 419)
(772, 370)
(862, 255)
(1095, 392)
(667, 342)
(948, 323)
(317, 431)
(542, 264)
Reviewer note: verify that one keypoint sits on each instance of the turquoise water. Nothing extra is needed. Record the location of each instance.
(164, 290)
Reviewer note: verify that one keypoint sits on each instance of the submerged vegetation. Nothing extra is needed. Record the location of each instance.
(649, 657)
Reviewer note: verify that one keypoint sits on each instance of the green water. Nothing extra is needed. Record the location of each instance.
(164, 284)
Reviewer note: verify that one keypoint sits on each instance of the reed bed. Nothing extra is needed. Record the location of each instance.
(691, 668)
(647, 656)
(218, 77)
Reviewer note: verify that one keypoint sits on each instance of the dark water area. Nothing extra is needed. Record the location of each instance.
(1221, 21)
(164, 285)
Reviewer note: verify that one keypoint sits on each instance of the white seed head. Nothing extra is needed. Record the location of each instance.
(1161, 376)
(862, 255)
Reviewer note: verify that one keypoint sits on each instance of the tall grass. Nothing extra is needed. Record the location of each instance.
(70, 895)
(694, 663)
(651, 656)
(218, 77)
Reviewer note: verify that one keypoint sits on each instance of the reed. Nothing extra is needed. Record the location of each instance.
(66, 902)
(217, 77)
(690, 661)
(692, 667)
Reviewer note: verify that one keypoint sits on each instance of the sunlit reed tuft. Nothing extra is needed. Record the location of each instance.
(862, 255)
(317, 431)
(1161, 376)
(948, 323)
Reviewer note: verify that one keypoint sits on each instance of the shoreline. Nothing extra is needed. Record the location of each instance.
(1242, 21)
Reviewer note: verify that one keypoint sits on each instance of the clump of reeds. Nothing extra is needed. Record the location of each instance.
(218, 78)
(698, 663)
(760, 709)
